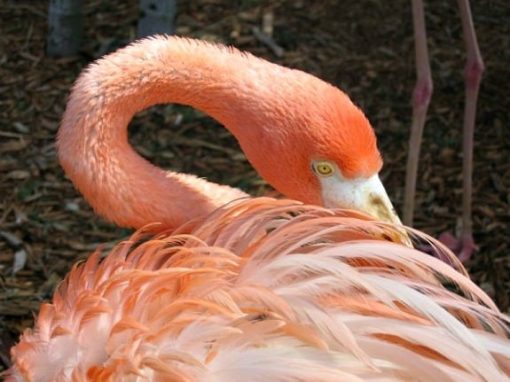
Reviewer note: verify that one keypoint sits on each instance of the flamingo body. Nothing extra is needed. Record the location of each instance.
(267, 290)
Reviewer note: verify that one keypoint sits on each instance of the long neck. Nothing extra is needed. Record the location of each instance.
(93, 144)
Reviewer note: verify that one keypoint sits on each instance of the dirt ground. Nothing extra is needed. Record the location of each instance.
(365, 47)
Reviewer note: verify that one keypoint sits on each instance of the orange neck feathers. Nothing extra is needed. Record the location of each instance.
(282, 119)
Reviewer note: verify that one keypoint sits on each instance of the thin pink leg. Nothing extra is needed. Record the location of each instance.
(421, 99)
(473, 76)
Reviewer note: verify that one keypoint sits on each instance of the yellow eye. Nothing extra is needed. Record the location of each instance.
(324, 168)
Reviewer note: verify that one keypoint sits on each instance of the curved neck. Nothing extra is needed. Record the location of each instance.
(93, 144)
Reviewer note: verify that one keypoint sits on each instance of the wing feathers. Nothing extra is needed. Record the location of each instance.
(267, 290)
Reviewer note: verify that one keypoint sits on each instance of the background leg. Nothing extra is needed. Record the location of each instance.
(421, 99)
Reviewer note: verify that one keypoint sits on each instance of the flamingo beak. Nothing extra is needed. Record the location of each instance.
(367, 195)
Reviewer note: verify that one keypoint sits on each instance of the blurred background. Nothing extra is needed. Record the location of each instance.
(365, 47)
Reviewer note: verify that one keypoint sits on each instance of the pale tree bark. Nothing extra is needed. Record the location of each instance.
(156, 17)
(65, 22)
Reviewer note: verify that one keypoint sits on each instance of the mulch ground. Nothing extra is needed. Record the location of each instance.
(364, 47)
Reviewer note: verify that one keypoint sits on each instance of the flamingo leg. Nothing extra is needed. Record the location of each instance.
(465, 247)
(421, 99)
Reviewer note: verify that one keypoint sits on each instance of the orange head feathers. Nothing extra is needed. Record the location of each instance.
(306, 120)
(304, 136)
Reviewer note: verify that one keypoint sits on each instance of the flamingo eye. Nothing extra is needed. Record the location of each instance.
(323, 168)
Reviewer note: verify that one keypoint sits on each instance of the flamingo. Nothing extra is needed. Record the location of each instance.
(267, 290)
(465, 245)
(249, 289)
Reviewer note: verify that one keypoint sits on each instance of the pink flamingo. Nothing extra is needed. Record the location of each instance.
(259, 289)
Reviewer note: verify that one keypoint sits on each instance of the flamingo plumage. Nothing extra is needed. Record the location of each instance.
(250, 289)
(271, 290)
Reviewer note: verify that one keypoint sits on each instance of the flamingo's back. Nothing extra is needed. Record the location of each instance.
(267, 290)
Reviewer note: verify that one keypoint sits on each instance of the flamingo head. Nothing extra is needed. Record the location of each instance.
(319, 148)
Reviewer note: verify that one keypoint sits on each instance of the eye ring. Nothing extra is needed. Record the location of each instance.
(323, 168)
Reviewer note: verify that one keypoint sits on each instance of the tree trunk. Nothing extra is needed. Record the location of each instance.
(65, 21)
(156, 17)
